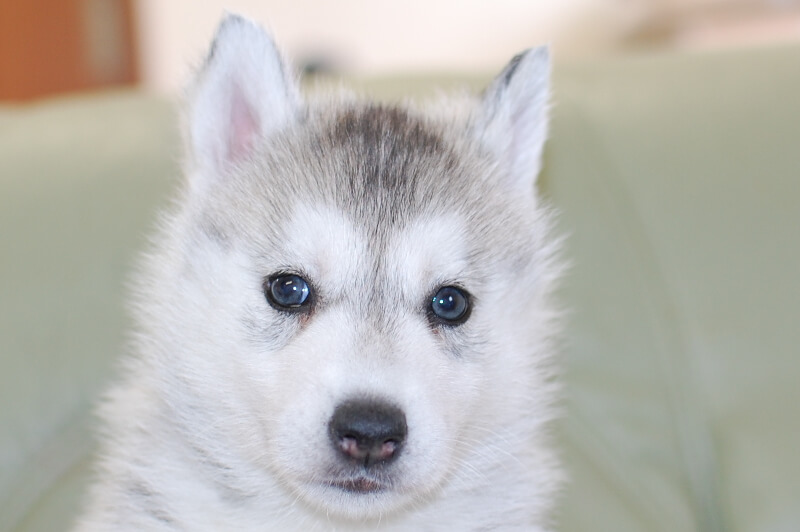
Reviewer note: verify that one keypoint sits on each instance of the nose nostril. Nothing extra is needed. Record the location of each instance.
(387, 449)
(368, 432)
(349, 445)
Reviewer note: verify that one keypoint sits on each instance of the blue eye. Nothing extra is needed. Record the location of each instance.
(287, 292)
(450, 305)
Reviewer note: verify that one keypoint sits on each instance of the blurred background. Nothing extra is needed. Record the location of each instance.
(55, 46)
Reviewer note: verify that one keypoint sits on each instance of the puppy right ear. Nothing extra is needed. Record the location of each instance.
(243, 93)
(513, 119)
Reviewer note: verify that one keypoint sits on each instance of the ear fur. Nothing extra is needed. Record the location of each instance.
(513, 119)
(243, 93)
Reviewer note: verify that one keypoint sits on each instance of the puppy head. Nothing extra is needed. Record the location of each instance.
(355, 293)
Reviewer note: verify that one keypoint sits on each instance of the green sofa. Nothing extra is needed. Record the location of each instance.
(678, 178)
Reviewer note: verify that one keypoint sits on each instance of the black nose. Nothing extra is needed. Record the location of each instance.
(368, 431)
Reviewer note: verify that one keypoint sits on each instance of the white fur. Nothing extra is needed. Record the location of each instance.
(221, 419)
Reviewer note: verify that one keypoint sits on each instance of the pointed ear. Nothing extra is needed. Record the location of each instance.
(243, 93)
(512, 119)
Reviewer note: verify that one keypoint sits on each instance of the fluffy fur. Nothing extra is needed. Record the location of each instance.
(222, 419)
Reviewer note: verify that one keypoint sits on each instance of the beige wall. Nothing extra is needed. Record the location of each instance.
(369, 37)
(366, 36)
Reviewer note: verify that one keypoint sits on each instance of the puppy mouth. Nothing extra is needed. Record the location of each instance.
(358, 485)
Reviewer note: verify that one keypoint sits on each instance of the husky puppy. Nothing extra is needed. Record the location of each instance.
(345, 323)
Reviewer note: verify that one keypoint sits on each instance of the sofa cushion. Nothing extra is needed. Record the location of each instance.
(80, 179)
(679, 181)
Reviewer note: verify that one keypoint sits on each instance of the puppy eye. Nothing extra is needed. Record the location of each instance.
(450, 305)
(287, 292)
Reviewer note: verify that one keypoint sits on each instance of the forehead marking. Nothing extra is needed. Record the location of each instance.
(387, 151)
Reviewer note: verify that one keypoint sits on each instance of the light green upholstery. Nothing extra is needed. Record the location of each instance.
(79, 183)
(678, 178)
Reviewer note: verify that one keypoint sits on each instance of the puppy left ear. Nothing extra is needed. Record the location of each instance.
(513, 116)
(244, 93)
